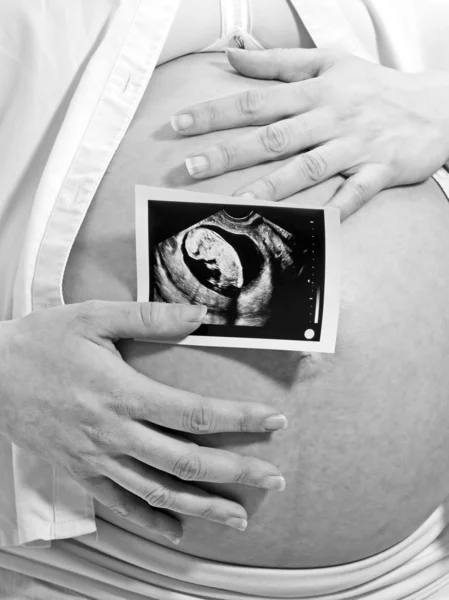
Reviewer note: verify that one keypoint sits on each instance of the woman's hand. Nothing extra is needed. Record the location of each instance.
(336, 114)
(67, 396)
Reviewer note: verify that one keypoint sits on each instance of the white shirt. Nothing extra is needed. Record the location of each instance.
(72, 74)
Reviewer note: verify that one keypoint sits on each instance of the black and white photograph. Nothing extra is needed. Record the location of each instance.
(268, 273)
(224, 292)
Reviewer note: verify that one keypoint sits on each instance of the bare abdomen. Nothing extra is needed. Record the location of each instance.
(365, 455)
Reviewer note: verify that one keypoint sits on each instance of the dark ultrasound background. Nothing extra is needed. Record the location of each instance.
(256, 268)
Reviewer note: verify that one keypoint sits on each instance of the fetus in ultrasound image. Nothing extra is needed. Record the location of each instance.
(243, 268)
(231, 265)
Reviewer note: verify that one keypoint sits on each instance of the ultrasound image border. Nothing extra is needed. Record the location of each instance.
(332, 276)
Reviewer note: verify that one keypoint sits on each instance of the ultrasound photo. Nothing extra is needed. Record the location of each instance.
(268, 272)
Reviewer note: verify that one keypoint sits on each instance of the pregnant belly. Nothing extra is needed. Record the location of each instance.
(365, 453)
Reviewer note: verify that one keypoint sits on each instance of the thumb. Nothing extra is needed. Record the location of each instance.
(285, 64)
(143, 320)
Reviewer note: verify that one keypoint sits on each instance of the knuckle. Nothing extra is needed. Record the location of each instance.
(93, 482)
(359, 192)
(243, 423)
(275, 138)
(198, 420)
(189, 468)
(273, 186)
(151, 315)
(251, 102)
(101, 436)
(214, 113)
(228, 156)
(119, 404)
(209, 114)
(279, 56)
(348, 111)
(88, 312)
(91, 463)
(241, 473)
(159, 497)
(123, 508)
(313, 165)
(245, 469)
(208, 513)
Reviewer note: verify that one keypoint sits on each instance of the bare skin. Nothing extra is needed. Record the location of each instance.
(69, 398)
(365, 453)
(335, 113)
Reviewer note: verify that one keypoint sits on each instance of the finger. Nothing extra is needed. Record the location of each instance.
(132, 508)
(258, 106)
(273, 142)
(360, 189)
(164, 492)
(301, 172)
(142, 320)
(285, 64)
(141, 399)
(187, 461)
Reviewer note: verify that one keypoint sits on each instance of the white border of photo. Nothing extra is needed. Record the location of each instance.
(329, 325)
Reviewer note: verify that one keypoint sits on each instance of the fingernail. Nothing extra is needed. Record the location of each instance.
(274, 423)
(193, 313)
(181, 122)
(246, 195)
(275, 483)
(173, 538)
(236, 523)
(196, 164)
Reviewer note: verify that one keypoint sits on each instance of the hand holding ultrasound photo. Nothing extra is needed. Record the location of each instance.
(268, 273)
